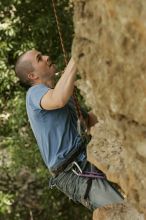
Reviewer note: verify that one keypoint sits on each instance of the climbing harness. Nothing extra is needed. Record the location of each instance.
(81, 125)
(69, 159)
(91, 174)
(77, 170)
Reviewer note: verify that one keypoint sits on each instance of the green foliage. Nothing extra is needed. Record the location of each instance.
(5, 202)
(24, 193)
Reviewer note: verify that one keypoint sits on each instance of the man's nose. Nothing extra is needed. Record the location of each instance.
(47, 58)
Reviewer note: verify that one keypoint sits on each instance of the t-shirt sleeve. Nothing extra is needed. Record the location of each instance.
(36, 95)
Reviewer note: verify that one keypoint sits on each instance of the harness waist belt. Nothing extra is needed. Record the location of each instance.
(59, 169)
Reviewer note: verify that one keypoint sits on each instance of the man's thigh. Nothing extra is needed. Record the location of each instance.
(101, 192)
(71, 185)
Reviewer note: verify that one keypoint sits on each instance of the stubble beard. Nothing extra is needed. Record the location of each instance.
(49, 80)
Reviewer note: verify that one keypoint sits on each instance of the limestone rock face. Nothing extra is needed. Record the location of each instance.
(117, 212)
(110, 50)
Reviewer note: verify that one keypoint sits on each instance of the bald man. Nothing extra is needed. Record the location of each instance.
(53, 119)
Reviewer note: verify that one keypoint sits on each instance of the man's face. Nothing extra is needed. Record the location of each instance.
(44, 68)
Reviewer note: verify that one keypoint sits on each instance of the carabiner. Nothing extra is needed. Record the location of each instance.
(79, 168)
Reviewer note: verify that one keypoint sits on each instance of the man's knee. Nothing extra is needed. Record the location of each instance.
(102, 193)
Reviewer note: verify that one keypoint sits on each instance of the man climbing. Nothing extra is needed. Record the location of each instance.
(53, 119)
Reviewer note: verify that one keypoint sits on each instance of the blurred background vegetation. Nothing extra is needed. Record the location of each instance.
(24, 192)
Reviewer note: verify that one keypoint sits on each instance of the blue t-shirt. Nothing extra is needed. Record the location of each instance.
(55, 130)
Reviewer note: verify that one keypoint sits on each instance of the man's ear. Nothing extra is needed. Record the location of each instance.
(32, 76)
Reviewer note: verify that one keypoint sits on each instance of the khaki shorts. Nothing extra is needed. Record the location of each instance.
(102, 192)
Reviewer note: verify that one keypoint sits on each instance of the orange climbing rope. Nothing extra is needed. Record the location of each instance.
(77, 105)
(60, 34)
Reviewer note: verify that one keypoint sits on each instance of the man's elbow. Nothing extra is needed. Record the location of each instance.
(62, 102)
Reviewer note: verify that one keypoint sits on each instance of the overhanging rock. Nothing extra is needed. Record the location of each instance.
(110, 50)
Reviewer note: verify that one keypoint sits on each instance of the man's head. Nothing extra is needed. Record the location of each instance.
(32, 67)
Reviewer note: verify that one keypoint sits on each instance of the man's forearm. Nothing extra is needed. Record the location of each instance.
(65, 85)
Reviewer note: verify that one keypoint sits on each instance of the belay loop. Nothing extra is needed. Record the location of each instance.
(81, 125)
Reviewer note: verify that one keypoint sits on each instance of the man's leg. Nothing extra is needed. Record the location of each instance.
(101, 192)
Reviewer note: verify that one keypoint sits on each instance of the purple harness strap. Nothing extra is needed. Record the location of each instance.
(90, 174)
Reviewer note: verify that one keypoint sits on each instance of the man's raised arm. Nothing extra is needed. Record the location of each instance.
(59, 96)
